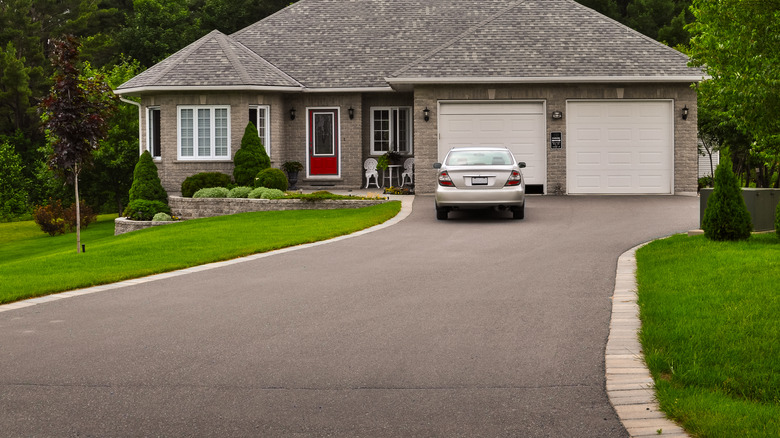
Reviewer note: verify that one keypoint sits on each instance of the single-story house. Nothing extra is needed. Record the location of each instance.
(589, 104)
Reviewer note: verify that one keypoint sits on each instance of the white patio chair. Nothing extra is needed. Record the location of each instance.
(370, 166)
(408, 171)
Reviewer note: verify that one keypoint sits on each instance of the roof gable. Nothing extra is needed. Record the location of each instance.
(215, 60)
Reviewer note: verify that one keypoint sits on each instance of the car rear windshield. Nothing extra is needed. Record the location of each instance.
(478, 158)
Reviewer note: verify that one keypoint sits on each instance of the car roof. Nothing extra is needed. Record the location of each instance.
(480, 148)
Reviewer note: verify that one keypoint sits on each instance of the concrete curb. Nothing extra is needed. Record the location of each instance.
(406, 209)
(629, 385)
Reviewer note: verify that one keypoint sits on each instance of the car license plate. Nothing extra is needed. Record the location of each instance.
(479, 181)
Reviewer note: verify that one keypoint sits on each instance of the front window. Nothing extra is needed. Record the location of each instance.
(259, 115)
(153, 131)
(391, 130)
(204, 132)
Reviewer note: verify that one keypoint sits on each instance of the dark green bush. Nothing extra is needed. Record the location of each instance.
(251, 158)
(272, 179)
(726, 216)
(204, 180)
(777, 220)
(146, 181)
(143, 210)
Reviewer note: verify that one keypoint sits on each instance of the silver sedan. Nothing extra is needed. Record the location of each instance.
(480, 177)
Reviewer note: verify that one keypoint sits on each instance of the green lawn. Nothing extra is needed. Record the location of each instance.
(711, 332)
(33, 263)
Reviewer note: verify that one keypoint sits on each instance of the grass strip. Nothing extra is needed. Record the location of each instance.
(37, 265)
(711, 332)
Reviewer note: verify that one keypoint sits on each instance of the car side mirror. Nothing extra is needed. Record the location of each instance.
(437, 165)
(521, 164)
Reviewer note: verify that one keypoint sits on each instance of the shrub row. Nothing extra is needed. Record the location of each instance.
(270, 178)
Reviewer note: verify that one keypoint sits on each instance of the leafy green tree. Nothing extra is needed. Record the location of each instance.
(109, 180)
(229, 16)
(662, 20)
(146, 181)
(251, 158)
(75, 117)
(737, 45)
(726, 216)
(607, 7)
(157, 29)
(13, 185)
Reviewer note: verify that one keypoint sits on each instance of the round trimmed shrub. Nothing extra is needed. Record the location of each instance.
(256, 193)
(239, 192)
(272, 194)
(271, 178)
(144, 210)
(204, 180)
(251, 158)
(212, 192)
(162, 217)
(726, 216)
(146, 181)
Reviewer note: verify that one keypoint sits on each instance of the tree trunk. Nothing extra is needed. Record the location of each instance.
(78, 208)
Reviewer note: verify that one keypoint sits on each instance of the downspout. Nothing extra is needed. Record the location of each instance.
(140, 119)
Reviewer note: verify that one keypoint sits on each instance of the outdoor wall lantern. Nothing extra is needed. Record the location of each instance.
(426, 114)
(292, 113)
(351, 112)
(685, 112)
(557, 115)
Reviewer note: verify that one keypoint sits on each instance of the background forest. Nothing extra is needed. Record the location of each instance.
(121, 38)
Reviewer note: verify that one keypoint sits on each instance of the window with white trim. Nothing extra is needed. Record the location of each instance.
(204, 132)
(391, 130)
(153, 131)
(260, 115)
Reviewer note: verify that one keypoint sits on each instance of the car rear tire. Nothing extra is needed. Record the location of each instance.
(518, 213)
(441, 214)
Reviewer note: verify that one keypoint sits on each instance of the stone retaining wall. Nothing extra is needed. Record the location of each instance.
(194, 208)
(124, 225)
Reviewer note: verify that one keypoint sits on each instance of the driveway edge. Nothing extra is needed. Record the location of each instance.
(629, 385)
(406, 209)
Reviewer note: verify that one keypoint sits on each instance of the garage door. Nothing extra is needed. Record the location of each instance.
(619, 147)
(518, 126)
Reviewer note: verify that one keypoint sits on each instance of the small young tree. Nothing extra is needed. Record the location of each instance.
(146, 181)
(74, 117)
(726, 216)
(251, 158)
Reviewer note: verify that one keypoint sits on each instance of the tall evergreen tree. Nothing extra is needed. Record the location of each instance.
(726, 216)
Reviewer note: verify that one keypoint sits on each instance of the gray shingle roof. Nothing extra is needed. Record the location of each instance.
(366, 43)
(214, 60)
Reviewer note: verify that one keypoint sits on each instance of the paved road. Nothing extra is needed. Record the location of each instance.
(478, 326)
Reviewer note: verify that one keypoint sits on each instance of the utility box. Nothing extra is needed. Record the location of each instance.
(760, 203)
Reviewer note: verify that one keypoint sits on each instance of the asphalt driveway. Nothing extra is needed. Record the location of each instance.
(477, 326)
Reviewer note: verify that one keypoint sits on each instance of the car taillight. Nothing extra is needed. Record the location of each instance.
(514, 179)
(445, 180)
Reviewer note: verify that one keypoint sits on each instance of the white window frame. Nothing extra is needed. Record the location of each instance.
(392, 112)
(149, 132)
(195, 129)
(264, 132)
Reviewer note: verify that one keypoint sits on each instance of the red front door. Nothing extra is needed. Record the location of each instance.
(323, 142)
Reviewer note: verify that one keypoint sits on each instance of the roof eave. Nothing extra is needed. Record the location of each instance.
(545, 80)
(173, 88)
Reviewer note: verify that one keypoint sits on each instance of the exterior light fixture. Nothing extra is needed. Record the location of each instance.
(685, 112)
(557, 115)
(351, 112)
(292, 113)
(426, 114)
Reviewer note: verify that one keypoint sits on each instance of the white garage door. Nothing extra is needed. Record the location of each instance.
(619, 147)
(518, 126)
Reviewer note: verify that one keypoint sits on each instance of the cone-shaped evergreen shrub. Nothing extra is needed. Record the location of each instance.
(726, 216)
(146, 181)
(251, 158)
(272, 179)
